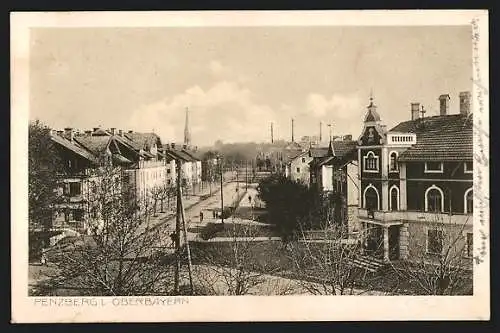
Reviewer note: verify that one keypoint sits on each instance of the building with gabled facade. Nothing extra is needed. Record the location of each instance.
(333, 173)
(141, 165)
(415, 182)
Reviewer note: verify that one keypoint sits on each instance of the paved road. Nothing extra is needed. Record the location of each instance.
(192, 214)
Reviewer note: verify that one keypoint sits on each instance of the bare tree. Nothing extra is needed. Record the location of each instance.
(117, 256)
(325, 263)
(238, 267)
(439, 258)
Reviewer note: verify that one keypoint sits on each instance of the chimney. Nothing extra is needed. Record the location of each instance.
(96, 128)
(184, 146)
(120, 132)
(60, 133)
(69, 133)
(464, 98)
(172, 145)
(130, 131)
(444, 104)
(415, 109)
(113, 130)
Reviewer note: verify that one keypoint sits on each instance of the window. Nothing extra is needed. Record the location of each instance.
(75, 189)
(78, 215)
(434, 241)
(468, 201)
(370, 162)
(434, 199)
(469, 245)
(468, 167)
(298, 169)
(394, 203)
(168, 171)
(433, 167)
(371, 198)
(303, 160)
(393, 161)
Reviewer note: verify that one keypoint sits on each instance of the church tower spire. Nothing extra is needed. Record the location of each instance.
(187, 134)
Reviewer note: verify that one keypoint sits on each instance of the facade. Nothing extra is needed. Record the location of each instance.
(334, 175)
(298, 168)
(135, 156)
(415, 182)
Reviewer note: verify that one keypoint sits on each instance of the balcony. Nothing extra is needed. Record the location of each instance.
(398, 217)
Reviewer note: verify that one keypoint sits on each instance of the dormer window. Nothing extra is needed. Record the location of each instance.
(370, 162)
(393, 161)
(433, 167)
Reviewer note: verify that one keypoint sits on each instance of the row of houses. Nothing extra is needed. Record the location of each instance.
(405, 188)
(144, 161)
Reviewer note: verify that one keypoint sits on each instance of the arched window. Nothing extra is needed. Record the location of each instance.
(434, 199)
(394, 201)
(468, 201)
(393, 161)
(370, 162)
(371, 198)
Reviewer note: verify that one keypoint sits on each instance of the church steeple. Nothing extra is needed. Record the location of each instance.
(187, 134)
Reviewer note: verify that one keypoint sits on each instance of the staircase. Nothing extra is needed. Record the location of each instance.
(369, 263)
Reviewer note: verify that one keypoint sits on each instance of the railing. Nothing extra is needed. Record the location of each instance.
(391, 216)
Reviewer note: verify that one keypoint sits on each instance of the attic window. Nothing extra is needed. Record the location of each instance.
(303, 160)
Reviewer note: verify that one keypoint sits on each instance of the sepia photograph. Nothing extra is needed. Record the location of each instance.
(223, 154)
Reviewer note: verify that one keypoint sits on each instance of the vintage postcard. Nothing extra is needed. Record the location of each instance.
(250, 166)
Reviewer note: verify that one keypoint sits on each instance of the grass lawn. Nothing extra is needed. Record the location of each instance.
(229, 229)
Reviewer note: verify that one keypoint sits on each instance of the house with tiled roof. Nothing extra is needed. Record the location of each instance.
(332, 172)
(413, 178)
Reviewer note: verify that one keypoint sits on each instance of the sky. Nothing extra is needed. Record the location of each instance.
(236, 81)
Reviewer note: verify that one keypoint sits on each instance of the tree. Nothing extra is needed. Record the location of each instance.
(287, 203)
(118, 256)
(43, 167)
(440, 264)
(236, 267)
(325, 263)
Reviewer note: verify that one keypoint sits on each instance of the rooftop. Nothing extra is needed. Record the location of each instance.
(439, 138)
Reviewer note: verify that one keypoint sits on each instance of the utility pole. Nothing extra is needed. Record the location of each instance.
(177, 239)
(246, 175)
(190, 268)
(272, 133)
(221, 192)
(292, 131)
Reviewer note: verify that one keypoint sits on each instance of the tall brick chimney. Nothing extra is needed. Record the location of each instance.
(444, 104)
(113, 130)
(69, 133)
(415, 109)
(464, 98)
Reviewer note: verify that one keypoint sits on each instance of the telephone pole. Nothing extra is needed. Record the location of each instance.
(177, 239)
(221, 192)
(292, 131)
(272, 133)
(320, 130)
